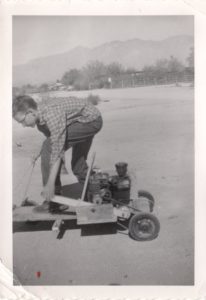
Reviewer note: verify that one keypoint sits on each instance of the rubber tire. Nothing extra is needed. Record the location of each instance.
(134, 229)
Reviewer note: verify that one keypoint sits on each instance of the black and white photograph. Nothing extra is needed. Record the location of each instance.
(103, 150)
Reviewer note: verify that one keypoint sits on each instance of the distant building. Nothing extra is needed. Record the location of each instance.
(58, 86)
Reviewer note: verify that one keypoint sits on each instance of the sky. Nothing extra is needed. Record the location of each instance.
(39, 36)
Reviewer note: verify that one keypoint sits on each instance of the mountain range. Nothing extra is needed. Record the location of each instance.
(135, 53)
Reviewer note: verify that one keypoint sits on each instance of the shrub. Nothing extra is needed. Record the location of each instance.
(94, 99)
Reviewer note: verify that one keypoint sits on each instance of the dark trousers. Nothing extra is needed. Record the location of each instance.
(79, 138)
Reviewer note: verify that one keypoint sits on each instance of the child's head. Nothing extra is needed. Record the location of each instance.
(24, 110)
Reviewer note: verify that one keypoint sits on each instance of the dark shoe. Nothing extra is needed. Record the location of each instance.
(50, 207)
(57, 207)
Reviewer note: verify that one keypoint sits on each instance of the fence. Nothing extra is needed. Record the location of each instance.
(144, 79)
(126, 81)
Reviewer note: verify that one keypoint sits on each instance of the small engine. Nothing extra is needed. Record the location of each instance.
(103, 188)
(120, 184)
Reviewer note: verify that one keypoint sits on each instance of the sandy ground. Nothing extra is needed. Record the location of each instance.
(151, 128)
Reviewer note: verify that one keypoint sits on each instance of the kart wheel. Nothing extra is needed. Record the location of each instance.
(149, 197)
(144, 227)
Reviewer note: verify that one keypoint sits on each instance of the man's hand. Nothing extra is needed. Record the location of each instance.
(48, 192)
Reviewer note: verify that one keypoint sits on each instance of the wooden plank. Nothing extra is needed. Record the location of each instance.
(27, 213)
(70, 202)
(95, 214)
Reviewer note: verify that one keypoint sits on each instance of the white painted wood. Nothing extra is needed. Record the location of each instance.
(70, 201)
(87, 177)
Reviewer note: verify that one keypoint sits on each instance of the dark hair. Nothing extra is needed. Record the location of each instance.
(22, 104)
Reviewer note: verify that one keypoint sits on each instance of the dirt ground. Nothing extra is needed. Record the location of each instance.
(152, 129)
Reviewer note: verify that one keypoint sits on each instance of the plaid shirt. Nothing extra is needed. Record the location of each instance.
(56, 114)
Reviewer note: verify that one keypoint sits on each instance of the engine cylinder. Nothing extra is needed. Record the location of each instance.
(121, 184)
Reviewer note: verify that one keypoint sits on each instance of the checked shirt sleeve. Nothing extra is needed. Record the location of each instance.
(56, 122)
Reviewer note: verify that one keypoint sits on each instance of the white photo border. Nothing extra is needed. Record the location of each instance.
(93, 7)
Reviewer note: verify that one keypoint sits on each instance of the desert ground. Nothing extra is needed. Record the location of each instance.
(152, 129)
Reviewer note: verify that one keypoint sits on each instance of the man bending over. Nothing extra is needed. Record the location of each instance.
(67, 123)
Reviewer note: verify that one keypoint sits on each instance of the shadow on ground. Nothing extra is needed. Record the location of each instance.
(86, 230)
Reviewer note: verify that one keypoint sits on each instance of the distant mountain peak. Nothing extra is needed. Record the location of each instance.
(134, 53)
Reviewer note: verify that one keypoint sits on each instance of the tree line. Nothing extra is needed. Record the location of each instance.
(99, 75)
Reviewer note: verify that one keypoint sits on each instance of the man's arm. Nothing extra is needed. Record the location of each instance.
(49, 189)
(56, 122)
